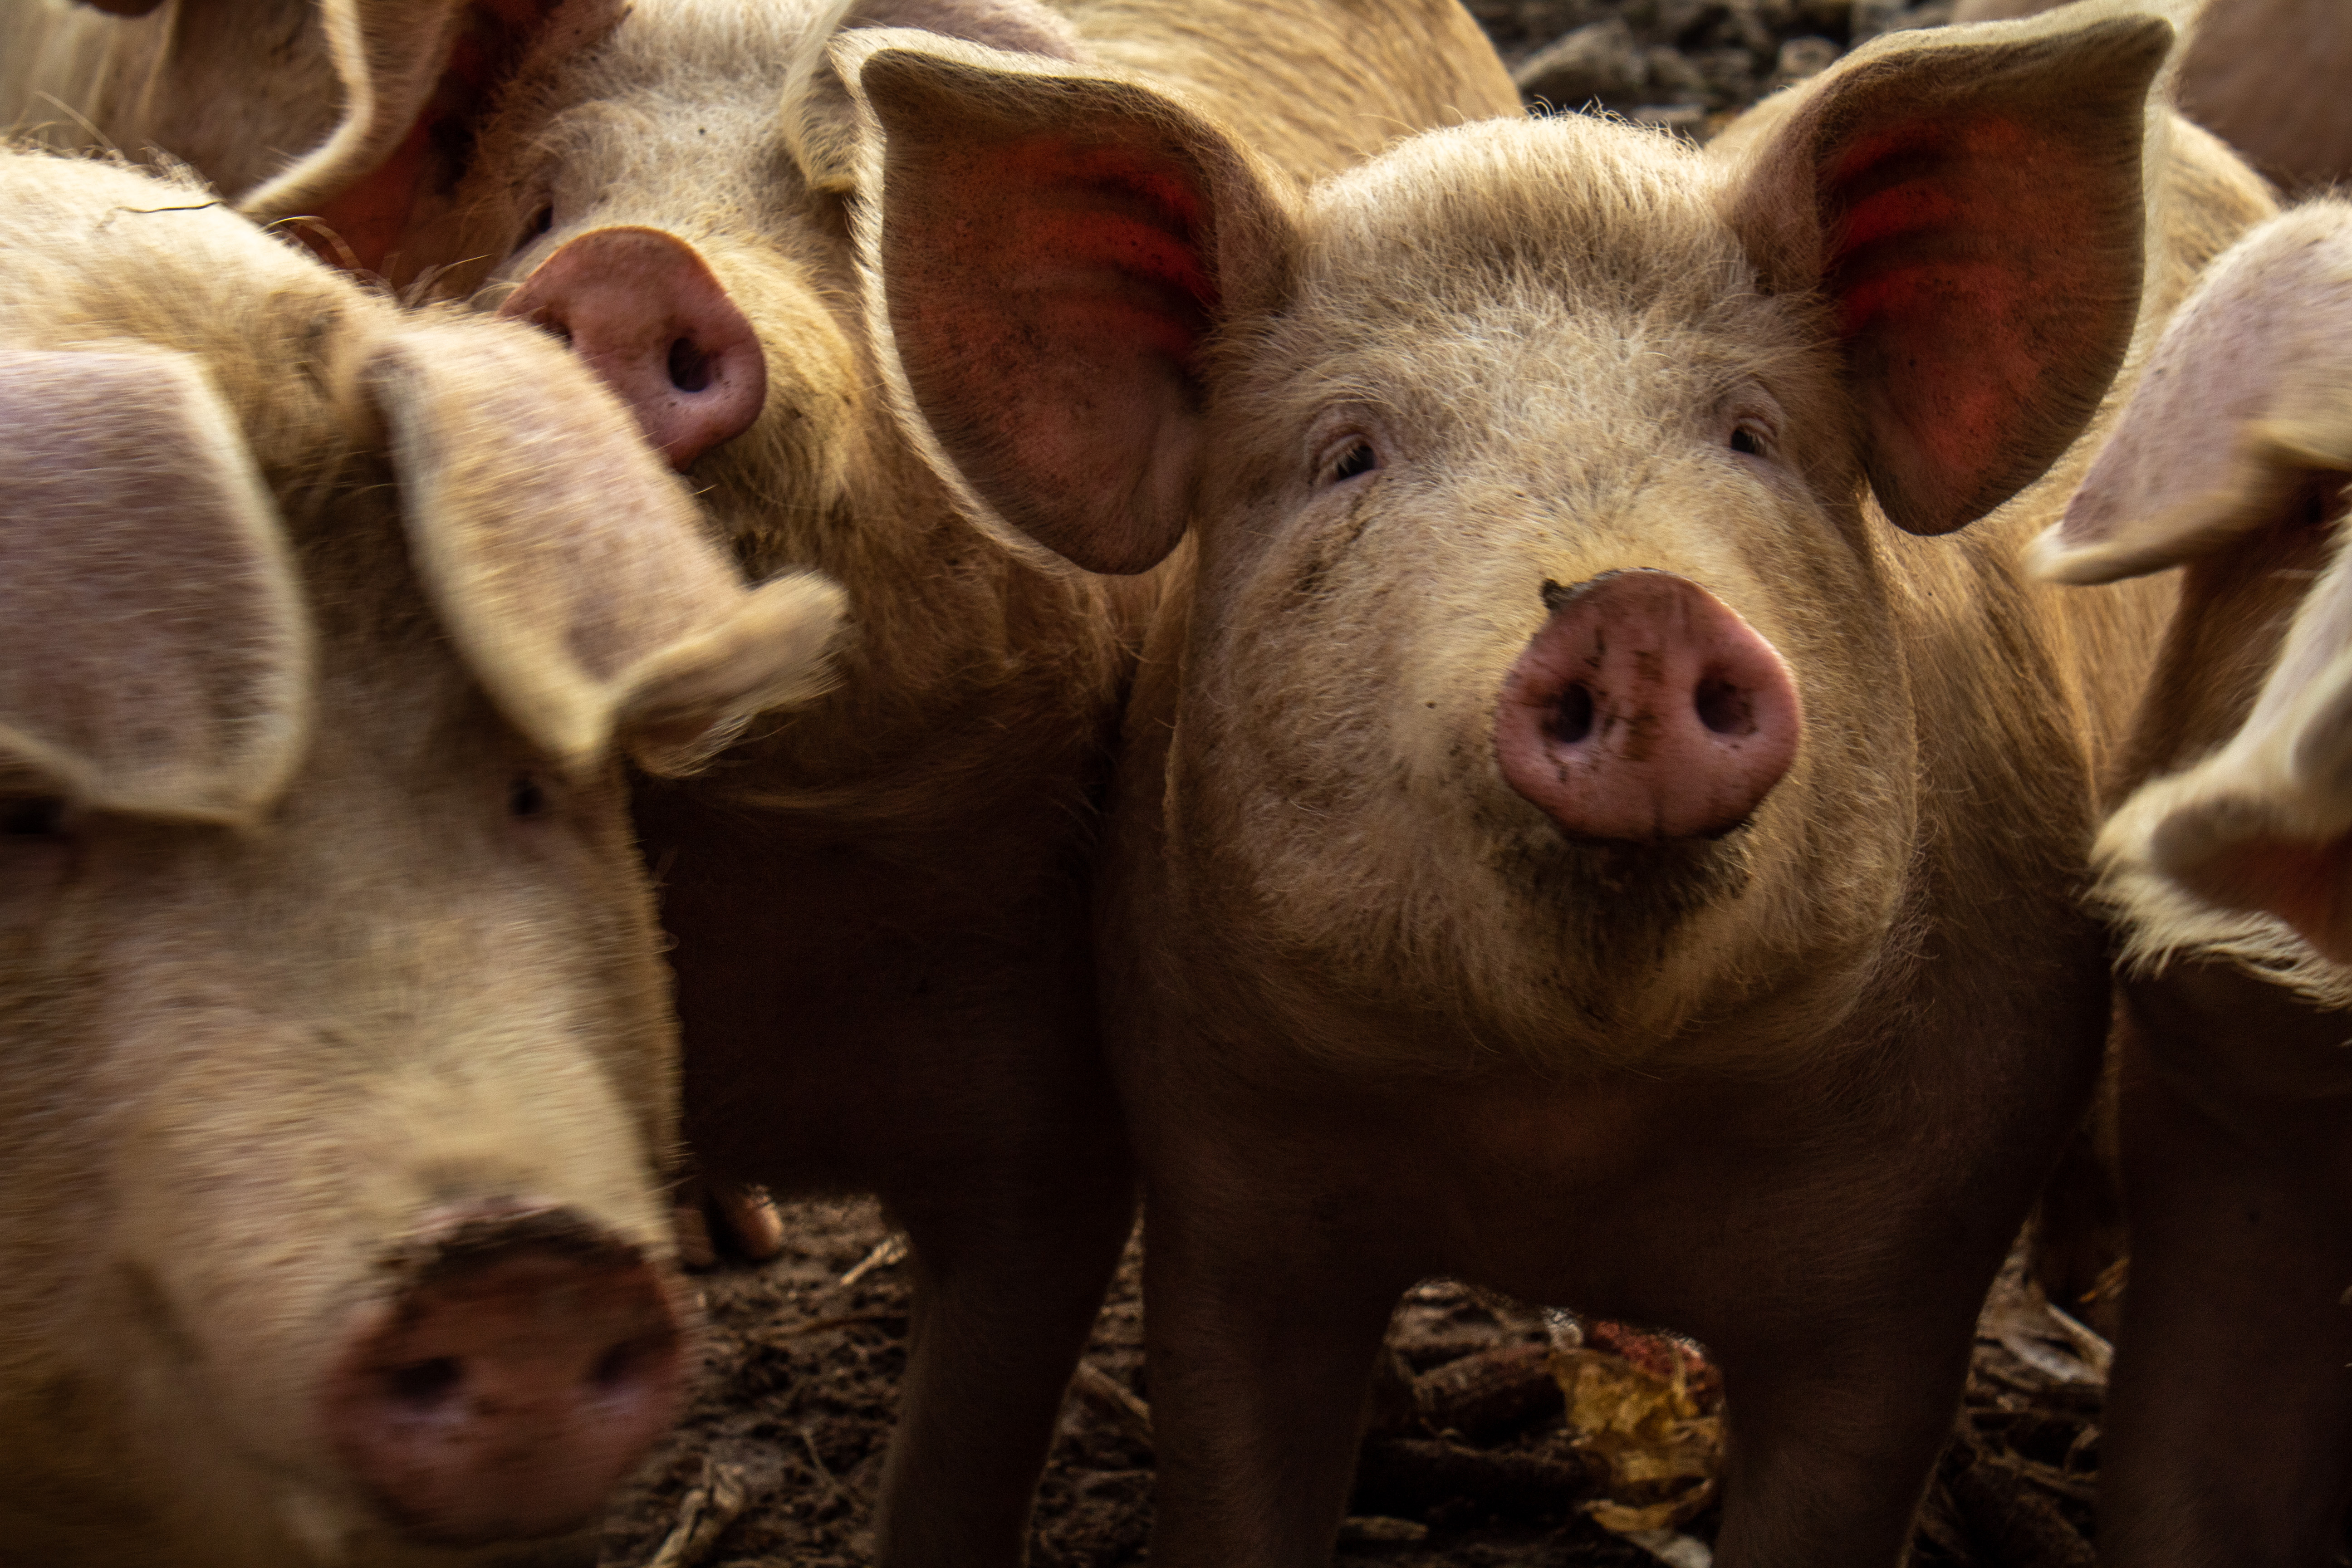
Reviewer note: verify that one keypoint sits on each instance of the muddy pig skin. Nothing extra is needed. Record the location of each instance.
(880, 912)
(1577, 829)
(339, 1065)
(2229, 1430)
(2268, 75)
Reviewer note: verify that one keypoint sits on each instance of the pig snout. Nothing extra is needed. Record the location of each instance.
(524, 1369)
(1644, 709)
(646, 314)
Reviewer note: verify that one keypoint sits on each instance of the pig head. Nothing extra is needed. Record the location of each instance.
(2230, 459)
(341, 1081)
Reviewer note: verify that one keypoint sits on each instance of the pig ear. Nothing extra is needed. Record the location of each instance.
(154, 653)
(2265, 822)
(570, 566)
(820, 120)
(1969, 201)
(1047, 255)
(418, 78)
(2248, 393)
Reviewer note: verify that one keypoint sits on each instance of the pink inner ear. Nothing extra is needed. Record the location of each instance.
(1109, 241)
(2302, 881)
(1957, 257)
(1049, 292)
(371, 215)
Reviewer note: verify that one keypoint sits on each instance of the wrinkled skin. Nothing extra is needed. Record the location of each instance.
(317, 937)
(1374, 1016)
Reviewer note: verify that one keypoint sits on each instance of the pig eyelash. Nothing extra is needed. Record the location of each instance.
(1352, 458)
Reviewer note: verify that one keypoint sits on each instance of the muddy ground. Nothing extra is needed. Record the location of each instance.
(778, 1461)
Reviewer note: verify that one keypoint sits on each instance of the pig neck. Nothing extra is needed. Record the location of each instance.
(974, 689)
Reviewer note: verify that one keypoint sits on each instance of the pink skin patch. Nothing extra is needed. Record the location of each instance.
(2302, 881)
(1645, 710)
(511, 1387)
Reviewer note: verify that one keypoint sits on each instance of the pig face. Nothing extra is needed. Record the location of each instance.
(339, 1065)
(1431, 465)
(1547, 667)
(669, 203)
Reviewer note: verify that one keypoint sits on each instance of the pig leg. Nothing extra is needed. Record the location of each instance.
(1010, 1268)
(1261, 1324)
(1834, 1432)
(2230, 1420)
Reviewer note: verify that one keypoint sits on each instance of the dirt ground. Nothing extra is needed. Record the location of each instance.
(780, 1457)
(787, 1433)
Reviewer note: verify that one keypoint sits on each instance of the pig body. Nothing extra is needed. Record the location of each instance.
(2267, 75)
(881, 914)
(2226, 1425)
(1416, 960)
(340, 1070)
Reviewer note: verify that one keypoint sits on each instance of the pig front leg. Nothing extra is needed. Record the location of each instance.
(1834, 1432)
(1263, 1315)
(1010, 1260)
(2229, 1436)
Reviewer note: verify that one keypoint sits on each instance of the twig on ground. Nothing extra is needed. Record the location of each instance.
(1116, 1402)
(891, 1249)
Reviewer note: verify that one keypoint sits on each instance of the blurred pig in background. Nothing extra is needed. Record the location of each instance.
(340, 1074)
(351, 119)
(2268, 75)
(2229, 1434)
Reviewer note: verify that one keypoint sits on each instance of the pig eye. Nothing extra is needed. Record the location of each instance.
(526, 798)
(40, 817)
(540, 222)
(1747, 439)
(1358, 458)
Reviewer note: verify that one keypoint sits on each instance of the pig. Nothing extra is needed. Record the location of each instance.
(880, 914)
(1577, 829)
(2229, 1430)
(342, 1075)
(2268, 74)
(347, 120)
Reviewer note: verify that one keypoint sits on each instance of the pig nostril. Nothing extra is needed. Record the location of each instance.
(1573, 722)
(690, 367)
(617, 1365)
(1724, 708)
(425, 1383)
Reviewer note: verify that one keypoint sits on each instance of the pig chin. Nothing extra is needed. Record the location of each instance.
(1611, 895)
